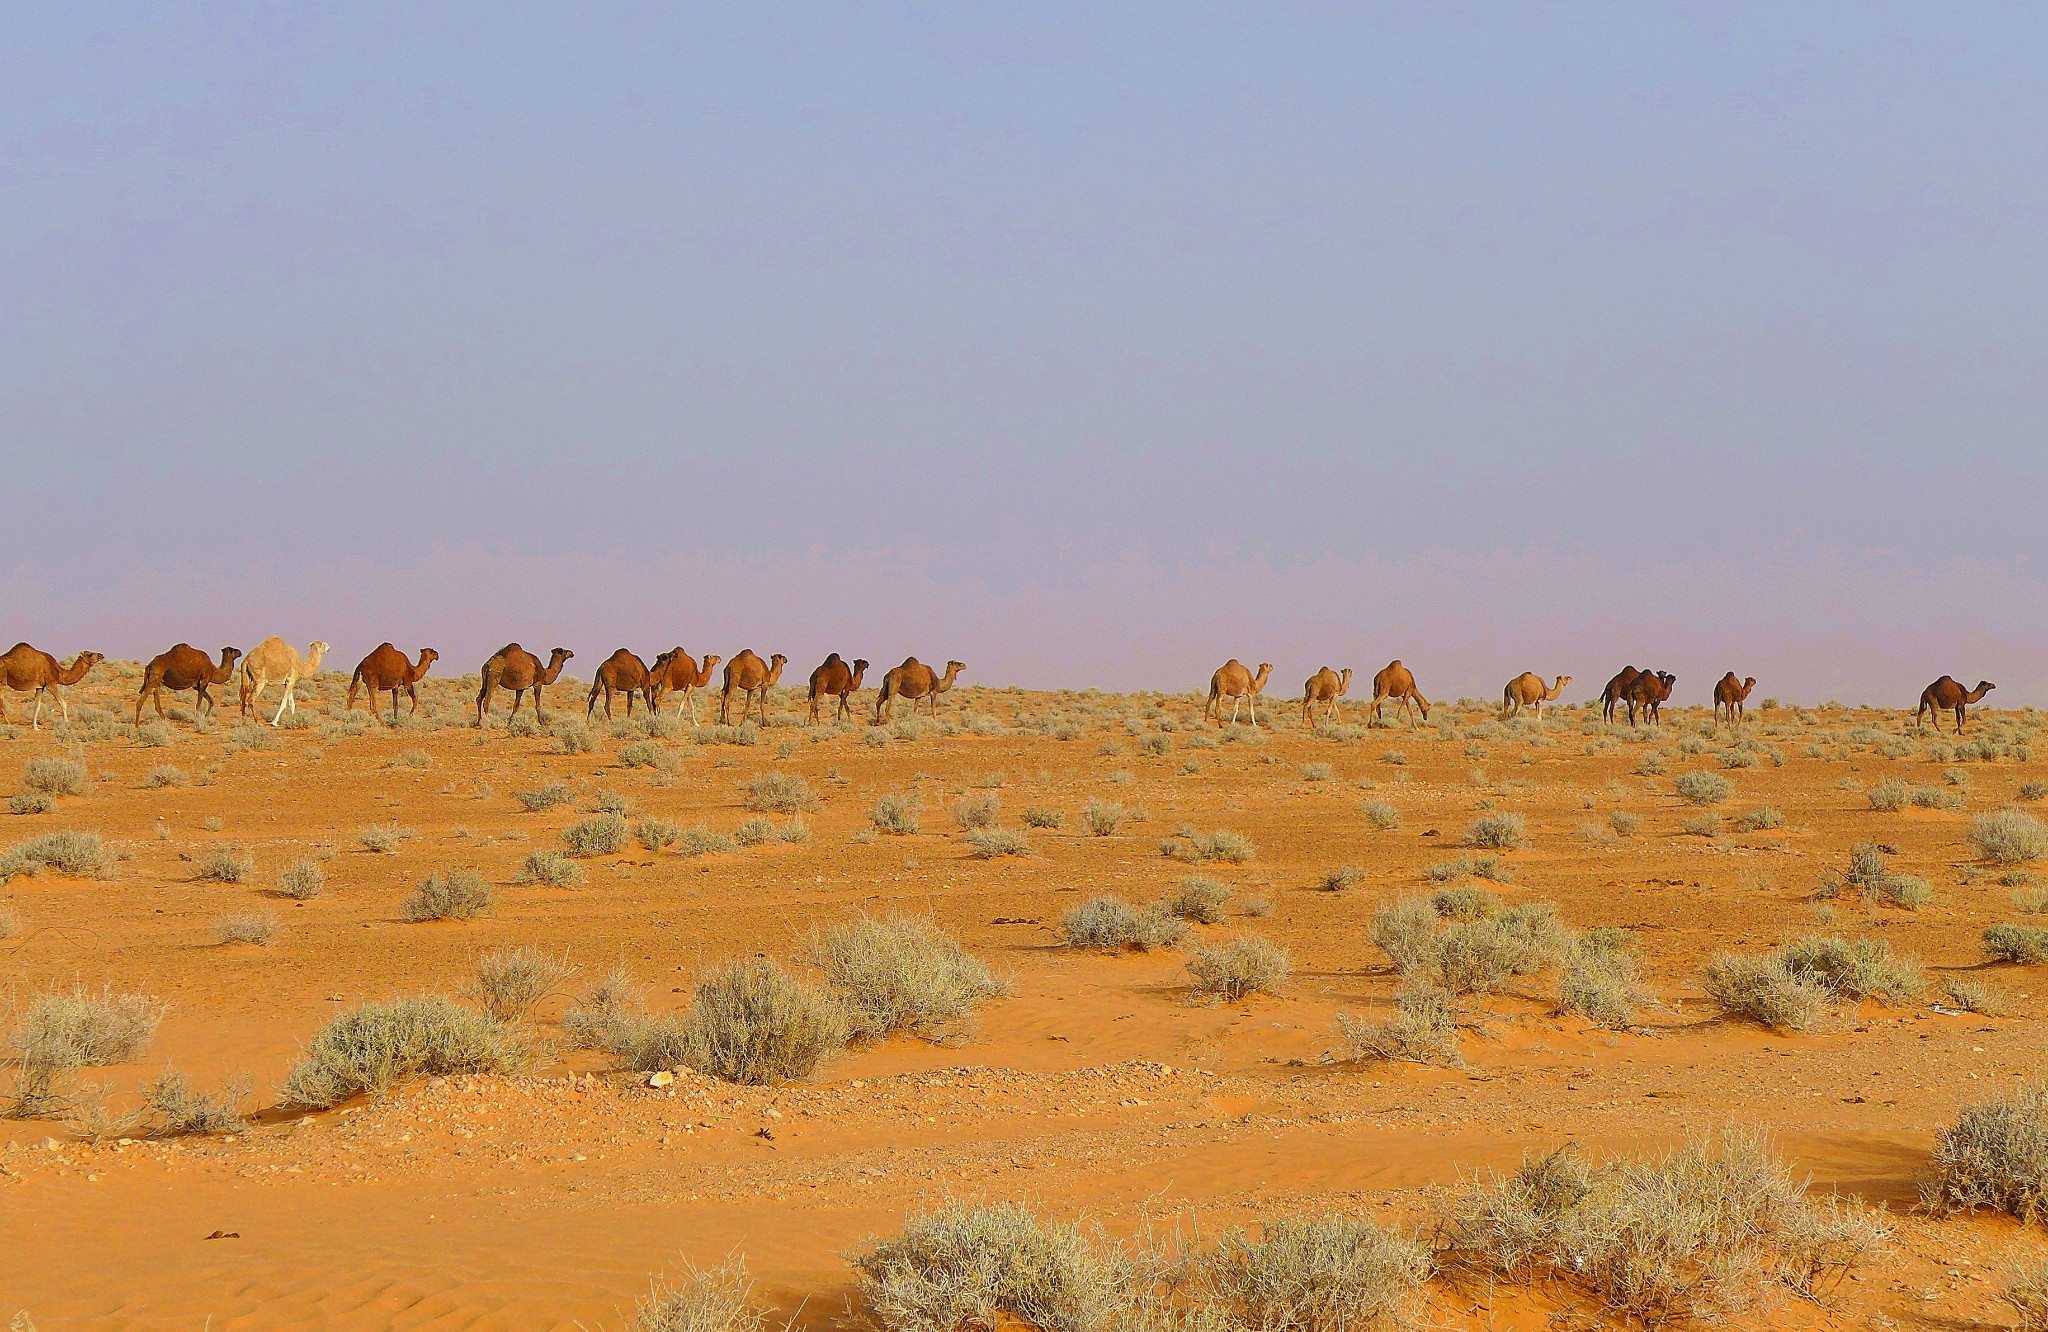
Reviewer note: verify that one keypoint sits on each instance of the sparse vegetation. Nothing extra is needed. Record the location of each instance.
(179, 1111)
(1498, 832)
(1995, 1155)
(752, 1022)
(901, 974)
(75, 855)
(1197, 848)
(1242, 967)
(382, 838)
(302, 880)
(1198, 899)
(1423, 1030)
(1703, 788)
(2009, 837)
(377, 1046)
(598, 835)
(510, 981)
(54, 776)
(1112, 925)
(546, 797)
(1102, 817)
(2027, 944)
(246, 927)
(780, 793)
(59, 1033)
(717, 1299)
(550, 869)
(895, 815)
(223, 864)
(459, 894)
(992, 843)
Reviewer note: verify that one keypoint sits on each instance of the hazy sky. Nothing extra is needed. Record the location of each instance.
(1090, 344)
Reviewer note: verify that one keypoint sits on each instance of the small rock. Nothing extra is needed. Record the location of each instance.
(660, 1079)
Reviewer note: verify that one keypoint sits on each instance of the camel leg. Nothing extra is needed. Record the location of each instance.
(291, 682)
(35, 722)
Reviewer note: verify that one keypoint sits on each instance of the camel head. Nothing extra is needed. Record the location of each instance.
(777, 661)
(1259, 680)
(1748, 683)
(557, 657)
(1558, 688)
(314, 651)
(85, 661)
(1344, 680)
(859, 664)
(1983, 687)
(427, 658)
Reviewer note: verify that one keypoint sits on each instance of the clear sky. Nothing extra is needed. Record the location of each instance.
(1090, 344)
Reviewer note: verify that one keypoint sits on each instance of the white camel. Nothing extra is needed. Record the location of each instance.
(275, 659)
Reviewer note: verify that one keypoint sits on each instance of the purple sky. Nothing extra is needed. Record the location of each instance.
(1091, 348)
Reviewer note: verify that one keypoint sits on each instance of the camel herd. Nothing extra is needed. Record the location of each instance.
(386, 670)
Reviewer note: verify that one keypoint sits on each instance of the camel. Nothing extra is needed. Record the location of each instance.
(621, 671)
(1325, 686)
(513, 667)
(753, 678)
(184, 667)
(25, 669)
(1731, 693)
(676, 669)
(913, 680)
(1946, 695)
(275, 659)
(1240, 686)
(833, 679)
(1527, 690)
(1398, 682)
(386, 670)
(1616, 691)
(1648, 692)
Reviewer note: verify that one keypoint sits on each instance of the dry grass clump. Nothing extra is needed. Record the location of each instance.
(510, 981)
(598, 835)
(1112, 925)
(903, 974)
(1601, 980)
(1461, 940)
(2016, 943)
(75, 855)
(30, 802)
(1855, 968)
(1039, 817)
(178, 1110)
(544, 797)
(1792, 988)
(603, 1016)
(1341, 879)
(52, 776)
(1239, 968)
(1311, 1274)
(2009, 837)
(383, 838)
(1872, 876)
(1380, 815)
(1995, 1155)
(1703, 788)
(10, 921)
(752, 1022)
(1102, 817)
(376, 1046)
(978, 811)
(460, 894)
(246, 927)
(717, 1299)
(1888, 796)
(1498, 832)
(993, 843)
(1765, 990)
(302, 880)
(972, 1266)
(60, 1033)
(1423, 1030)
(2025, 1288)
(1975, 997)
(1712, 1229)
(780, 793)
(1198, 899)
(1197, 848)
(224, 864)
(550, 869)
(895, 815)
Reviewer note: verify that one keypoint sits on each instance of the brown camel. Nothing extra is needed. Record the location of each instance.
(834, 679)
(513, 667)
(1240, 686)
(1945, 695)
(753, 678)
(1398, 682)
(1327, 687)
(25, 669)
(275, 659)
(1616, 692)
(1528, 690)
(1648, 692)
(621, 671)
(386, 670)
(185, 667)
(913, 680)
(677, 669)
(1731, 694)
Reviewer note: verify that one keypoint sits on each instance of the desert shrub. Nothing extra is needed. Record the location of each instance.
(154, 735)
(1039, 817)
(1764, 990)
(54, 776)
(573, 738)
(1888, 796)
(1196, 847)
(598, 835)
(460, 894)
(657, 834)
(1498, 832)
(224, 864)
(1318, 772)
(1312, 1274)
(60, 1033)
(544, 797)
(2016, 943)
(1380, 815)
(550, 869)
(612, 802)
(1102, 817)
(895, 815)
(376, 1046)
(1933, 797)
(1112, 924)
(793, 831)
(992, 843)
(1239, 968)
(752, 1022)
(1974, 996)
(642, 754)
(177, 1110)
(1601, 983)
(717, 1299)
(2009, 837)
(1341, 879)
(605, 1015)
(1854, 968)
(754, 832)
(1709, 1230)
(1625, 823)
(972, 1265)
(31, 802)
(701, 841)
(780, 793)
(977, 811)
(1462, 942)
(165, 775)
(75, 855)
(2033, 791)
(2025, 1288)
(510, 981)
(1198, 899)
(1761, 820)
(1155, 746)
(1995, 1155)
(1423, 1030)
(250, 927)
(903, 974)
(302, 880)
(1703, 788)
(382, 837)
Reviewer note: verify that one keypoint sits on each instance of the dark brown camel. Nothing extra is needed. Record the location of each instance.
(623, 672)
(677, 669)
(185, 667)
(386, 670)
(834, 679)
(1616, 692)
(913, 680)
(513, 667)
(1397, 682)
(31, 670)
(1732, 694)
(1648, 692)
(1945, 695)
(753, 678)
